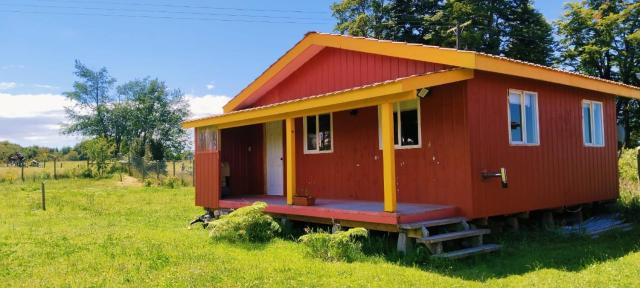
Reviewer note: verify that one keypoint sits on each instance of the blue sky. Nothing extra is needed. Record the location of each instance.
(209, 59)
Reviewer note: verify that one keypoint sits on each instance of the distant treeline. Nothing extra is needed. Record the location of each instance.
(75, 153)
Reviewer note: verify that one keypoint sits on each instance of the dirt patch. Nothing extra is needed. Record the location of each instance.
(129, 181)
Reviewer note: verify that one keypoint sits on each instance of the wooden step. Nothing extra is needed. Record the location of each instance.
(486, 248)
(453, 235)
(432, 223)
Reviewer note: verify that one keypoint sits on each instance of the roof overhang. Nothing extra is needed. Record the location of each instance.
(313, 42)
(370, 95)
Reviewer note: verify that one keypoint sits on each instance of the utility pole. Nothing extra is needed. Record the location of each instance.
(458, 31)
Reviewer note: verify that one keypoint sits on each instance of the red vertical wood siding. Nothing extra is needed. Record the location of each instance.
(560, 171)
(243, 149)
(207, 177)
(335, 69)
(437, 173)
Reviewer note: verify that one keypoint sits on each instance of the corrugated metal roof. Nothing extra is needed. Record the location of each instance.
(319, 95)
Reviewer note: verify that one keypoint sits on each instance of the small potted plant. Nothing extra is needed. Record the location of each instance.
(303, 198)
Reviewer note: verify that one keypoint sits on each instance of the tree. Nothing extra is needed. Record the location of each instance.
(91, 95)
(602, 39)
(154, 118)
(99, 150)
(500, 27)
(529, 35)
(360, 17)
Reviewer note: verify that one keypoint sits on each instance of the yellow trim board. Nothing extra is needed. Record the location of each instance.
(388, 157)
(290, 128)
(345, 100)
(434, 54)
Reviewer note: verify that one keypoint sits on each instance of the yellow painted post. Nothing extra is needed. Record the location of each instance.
(290, 127)
(388, 157)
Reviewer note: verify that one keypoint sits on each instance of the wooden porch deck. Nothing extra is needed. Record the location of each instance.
(349, 210)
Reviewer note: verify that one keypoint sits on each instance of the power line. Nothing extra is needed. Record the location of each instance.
(155, 17)
(189, 6)
(11, 5)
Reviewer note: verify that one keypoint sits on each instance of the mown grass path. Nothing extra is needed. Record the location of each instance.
(99, 233)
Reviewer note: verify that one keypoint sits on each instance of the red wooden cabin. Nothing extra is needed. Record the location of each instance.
(384, 133)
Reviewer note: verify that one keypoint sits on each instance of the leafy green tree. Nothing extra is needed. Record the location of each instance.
(602, 38)
(91, 95)
(99, 150)
(360, 17)
(529, 35)
(154, 118)
(500, 27)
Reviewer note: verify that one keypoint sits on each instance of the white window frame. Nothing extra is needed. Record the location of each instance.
(523, 114)
(304, 128)
(592, 118)
(397, 130)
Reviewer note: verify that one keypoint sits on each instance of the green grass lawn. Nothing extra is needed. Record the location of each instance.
(102, 233)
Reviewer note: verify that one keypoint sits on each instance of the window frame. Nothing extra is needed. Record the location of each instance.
(592, 122)
(523, 116)
(397, 130)
(304, 136)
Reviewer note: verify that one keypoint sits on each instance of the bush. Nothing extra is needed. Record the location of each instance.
(247, 224)
(628, 165)
(340, 246)
(172, 182)
(148, 182)
(86, 173)
(629, 203)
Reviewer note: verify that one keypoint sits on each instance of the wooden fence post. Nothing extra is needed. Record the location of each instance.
(22, 172)
(638, 160)
(174, 168)
(55, 176)
(44, 206)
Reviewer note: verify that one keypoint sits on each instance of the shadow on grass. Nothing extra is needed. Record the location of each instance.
(522, 252)
(249, 246)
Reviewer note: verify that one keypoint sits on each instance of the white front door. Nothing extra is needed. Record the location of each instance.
(273, 140)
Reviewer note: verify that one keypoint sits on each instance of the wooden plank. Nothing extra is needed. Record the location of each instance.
(454, 235)
(432, 223)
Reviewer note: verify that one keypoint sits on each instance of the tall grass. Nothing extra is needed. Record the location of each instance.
(629, 201)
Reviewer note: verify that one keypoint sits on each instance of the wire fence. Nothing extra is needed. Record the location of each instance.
(172, 172)
(161, 172)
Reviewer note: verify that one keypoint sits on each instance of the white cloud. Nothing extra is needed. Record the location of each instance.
(8, 85)
(32, 105)
(211, 86)
(36, 119)
(45, 86)
(206, 105)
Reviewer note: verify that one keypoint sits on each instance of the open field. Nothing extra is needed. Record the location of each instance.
(103, 233)
(72, 169)
(45, 171)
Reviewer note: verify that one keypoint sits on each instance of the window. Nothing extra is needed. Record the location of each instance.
(406, 125)
(207, 139)
(592, 123)
(523, 117)
(318, 133)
